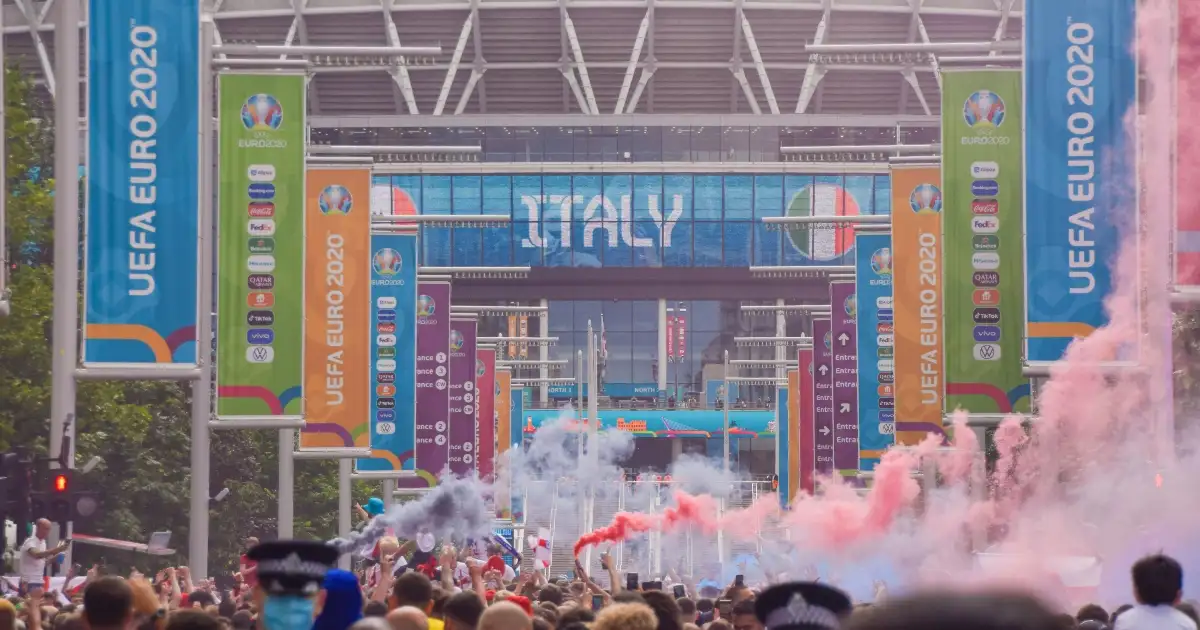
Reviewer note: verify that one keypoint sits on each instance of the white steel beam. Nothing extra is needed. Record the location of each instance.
(452, 71)
(911, 78)
(634, 59)
(933, 62)
(299, 31)
(747, 91)
(577, 53)
(401, 82)
(580, 99)
(643, 80)
(476, 74)
(815, 71)
(36, 25)
(765, 80)
(1005, 8)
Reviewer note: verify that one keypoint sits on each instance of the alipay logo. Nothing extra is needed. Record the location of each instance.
(260, 354)
(385, 302)
(985, 170)
(261, 173)
(261, 263)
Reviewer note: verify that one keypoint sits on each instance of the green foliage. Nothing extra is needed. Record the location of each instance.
(141, 430)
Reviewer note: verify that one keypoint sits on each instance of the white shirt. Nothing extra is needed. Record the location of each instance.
(1163, 617)
(34, 569)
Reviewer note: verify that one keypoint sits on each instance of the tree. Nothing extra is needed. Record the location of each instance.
(140, 429)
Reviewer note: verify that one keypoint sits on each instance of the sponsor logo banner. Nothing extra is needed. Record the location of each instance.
(140, 264)
(433, 391)
(485, 376)
(803, 445)
(823, 394)
(1080, 170)
(391, 266)
(844, 308)
(260, 259)
(337, 299)
(874, 272)
(462, 395)
(984, 286)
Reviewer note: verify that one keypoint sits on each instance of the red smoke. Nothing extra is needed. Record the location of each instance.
(689, 510)
(624, 525)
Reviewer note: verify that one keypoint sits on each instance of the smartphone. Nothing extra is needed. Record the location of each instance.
(652, 586)
(725, 607)
(739, 580)
(631, 581)
(680, 591)
(597, 602)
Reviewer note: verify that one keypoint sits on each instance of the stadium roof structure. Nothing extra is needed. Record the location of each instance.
(590, 60)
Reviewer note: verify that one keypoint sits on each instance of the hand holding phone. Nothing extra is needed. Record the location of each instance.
(631, 581)
(725, 607)
(739, 580)
(597, 602)
(679, 591)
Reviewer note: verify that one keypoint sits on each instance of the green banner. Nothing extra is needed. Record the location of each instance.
(260, 260)
(982, 228)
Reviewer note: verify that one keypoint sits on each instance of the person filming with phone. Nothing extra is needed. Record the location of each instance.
(32, 564)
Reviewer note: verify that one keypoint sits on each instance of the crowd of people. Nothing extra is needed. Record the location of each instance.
(295, 585)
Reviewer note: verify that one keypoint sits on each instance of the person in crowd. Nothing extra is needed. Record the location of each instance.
(343, 603)
(410, 618)
(626, 617)
(375, 609)
(665, 610)
(32, 563)
(949, 611)
(505, 616)
(576, 615)
(414, 589)
(798, 606)
(192, 619)
(1189, 609)
(462, 611)
(550, 594)
(745, 615)
(290, 576)
(373, 623)
(687, 609)
(108, 604)
(246, 567)
(1157, 589)
(1091, 612)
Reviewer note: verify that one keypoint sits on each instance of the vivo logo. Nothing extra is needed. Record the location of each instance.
(599, 214)
(385, 415)
(986, 334)
(260, 336)
(985, 170)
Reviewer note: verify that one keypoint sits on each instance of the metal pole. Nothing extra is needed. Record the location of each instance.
(66, 232)
(5, 299)
(725, 411)
(287, 483)
(345, 499)
(389, 491)
(198, 513)
(581, 382)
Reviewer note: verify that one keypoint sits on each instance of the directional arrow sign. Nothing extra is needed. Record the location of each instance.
(843, 339)
(824, 430)
(845, 408)
(824, 370)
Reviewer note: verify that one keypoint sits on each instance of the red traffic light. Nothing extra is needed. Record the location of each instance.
(60, 483)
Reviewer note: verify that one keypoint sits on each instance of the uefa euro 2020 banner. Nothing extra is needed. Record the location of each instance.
(142, 250)
(1080, 165)
(337, 296)
(260, 256)
(917, 301)
(876, 347)
(393, 305)
(981, 225)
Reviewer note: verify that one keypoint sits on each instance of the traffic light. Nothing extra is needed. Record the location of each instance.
(59, 502)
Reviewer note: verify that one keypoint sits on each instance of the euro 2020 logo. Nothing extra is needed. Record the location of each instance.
(851, 306)
(426, 306)
(387, 262)
(480, 368)
(262, 112)
(925, 199)
(456, 341)
(984, 110)
(335, 201)
(881, 261)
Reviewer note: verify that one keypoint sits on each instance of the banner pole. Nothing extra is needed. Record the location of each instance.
(66, 243)
(202, 387)
(344, 506)
(287, 484)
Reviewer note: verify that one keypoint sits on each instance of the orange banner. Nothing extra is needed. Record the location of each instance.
(503, 412)
(512, 332)
(917, 301)
(337, 308)
(793, 433)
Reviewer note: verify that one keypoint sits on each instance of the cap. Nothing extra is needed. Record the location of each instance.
(802, 606)
(374, 506)
(292, 567)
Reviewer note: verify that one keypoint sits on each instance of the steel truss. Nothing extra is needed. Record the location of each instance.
(593, 57)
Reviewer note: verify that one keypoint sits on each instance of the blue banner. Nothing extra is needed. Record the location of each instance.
(516, 439)
(670, 422)
(876, 348)
(1080, 171)
(393, 350)
(140, 272)
(714, 390)
(782, 438)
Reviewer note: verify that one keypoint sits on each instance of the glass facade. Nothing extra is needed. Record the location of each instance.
(635, 220)
(625, 144)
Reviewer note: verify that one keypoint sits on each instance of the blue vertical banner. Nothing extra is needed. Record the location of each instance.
(516, 429)
(1080, 166)
(143, 160)
(876, 347)
(783, 438)
(393, 351)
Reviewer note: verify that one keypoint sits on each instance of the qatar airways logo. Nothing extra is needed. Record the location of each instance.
(600, 214)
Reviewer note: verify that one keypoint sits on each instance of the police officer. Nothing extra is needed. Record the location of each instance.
(802, 606)
(290, 574)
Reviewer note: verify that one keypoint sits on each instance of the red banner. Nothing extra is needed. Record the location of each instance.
(681, 331)
(670, 337)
